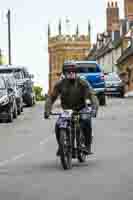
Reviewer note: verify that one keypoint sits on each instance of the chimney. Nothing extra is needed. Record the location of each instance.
(112, 4)
(112, 14)
(116, 4)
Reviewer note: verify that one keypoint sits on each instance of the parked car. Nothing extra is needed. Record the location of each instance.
(92, 73)
(8, 107)
(18, 92)
(24, 81)
(114, 85)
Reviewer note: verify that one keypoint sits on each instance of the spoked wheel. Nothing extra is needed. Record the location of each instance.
(65, 151)
(81, 144)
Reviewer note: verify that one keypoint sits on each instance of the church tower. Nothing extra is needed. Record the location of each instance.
(63, 47)
(113, 19)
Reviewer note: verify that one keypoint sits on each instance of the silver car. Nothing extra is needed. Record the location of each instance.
(114, 86)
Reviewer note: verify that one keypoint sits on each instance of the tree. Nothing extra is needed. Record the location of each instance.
(38, 93)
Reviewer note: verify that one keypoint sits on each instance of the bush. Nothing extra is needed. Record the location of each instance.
(38, 93)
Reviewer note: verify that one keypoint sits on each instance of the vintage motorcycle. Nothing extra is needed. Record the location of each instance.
(72, 140)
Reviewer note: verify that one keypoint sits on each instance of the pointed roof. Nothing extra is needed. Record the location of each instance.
(77, 30)
(59, 27)
(49, 31)
(89, 26)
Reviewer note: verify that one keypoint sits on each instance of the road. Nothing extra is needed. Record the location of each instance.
(29, 169)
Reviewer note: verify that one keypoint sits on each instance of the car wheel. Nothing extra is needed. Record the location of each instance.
(102, 100)
(122, 93)
(19, 109)
(15, 111)
(10, 115)
(34, 101)
(30, 103)
(22, 108)
(21, 105)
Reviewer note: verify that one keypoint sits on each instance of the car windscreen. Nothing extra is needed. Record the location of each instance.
(16, 72)
(2, 84)
(87, 68)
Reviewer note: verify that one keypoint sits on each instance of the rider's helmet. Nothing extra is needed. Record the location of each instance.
(70, 69)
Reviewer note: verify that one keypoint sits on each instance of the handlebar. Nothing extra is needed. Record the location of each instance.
(54, 113)
(72, 112)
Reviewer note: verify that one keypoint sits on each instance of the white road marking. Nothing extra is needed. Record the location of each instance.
(4, 162)
(43, 142)
(22, 155)
(18, 157)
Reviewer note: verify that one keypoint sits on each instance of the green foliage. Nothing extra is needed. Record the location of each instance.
(38, 93)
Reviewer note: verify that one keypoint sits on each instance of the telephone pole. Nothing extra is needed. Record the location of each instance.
(0, 57)
(9, 36)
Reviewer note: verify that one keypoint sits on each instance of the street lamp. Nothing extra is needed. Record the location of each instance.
(9, 36)
(112, 59)
(111, 46)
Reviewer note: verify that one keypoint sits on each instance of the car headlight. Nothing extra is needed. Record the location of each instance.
(116, 85)
(4, 100)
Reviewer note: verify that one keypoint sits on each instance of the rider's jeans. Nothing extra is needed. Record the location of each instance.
(86, 126)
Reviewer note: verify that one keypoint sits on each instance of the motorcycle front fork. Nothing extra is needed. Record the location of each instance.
(74, 141)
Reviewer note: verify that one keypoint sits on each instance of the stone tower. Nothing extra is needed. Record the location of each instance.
(113, 19)
(65, 47)
(128, 7)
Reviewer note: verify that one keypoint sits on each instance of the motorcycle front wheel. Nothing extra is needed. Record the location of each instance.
(65, 151)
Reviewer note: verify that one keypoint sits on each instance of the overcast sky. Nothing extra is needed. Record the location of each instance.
(29, 21)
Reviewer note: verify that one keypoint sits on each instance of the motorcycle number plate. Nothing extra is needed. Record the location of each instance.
(65, 115)
(63, 125)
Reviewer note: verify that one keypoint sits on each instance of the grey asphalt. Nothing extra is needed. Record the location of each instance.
(29, 169)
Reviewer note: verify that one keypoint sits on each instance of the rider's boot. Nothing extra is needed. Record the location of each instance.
(89, 145)
(89, 151)
(58, 152)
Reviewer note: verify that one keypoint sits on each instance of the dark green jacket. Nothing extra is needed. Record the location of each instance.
(73, 95)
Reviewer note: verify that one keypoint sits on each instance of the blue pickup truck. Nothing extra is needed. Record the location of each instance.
(91, 72)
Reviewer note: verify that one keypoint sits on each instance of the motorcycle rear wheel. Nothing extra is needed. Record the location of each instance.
(81, 143)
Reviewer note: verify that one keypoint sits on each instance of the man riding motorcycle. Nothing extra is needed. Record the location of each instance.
(73, 93)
